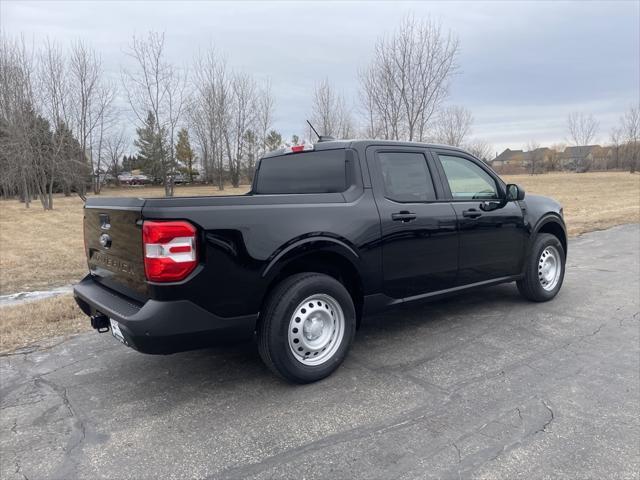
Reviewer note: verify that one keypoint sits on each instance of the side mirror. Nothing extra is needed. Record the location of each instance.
(514, 192)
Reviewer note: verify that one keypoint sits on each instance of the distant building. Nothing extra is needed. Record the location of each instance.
(519, 161)
(587, 157)
(581, 158)
(508, 157)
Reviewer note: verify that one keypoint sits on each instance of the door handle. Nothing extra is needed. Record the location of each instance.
(404, 216)
(471, 213)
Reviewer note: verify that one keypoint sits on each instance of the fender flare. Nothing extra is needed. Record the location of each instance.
(547, 218)
(310, 244)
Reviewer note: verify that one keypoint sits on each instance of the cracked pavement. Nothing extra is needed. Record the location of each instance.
(483, 385)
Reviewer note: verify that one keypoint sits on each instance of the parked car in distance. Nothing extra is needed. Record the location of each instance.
(141, 179)
(127, 178)
(179, 178)
(105, 178)
(328, 234)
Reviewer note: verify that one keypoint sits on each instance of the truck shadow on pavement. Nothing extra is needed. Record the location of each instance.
(412, 332)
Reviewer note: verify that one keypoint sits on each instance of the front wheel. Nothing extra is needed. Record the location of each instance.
(545, 269)
(307, 327)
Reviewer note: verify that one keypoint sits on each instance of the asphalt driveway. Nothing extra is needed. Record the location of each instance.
(484, 385)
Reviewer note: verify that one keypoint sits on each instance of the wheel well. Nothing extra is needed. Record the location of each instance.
(328, 263)
(554, 228)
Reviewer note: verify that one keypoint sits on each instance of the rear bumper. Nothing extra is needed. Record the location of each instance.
(161, 327)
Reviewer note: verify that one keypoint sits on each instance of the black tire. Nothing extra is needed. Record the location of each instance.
(530, 286)
(273, 328)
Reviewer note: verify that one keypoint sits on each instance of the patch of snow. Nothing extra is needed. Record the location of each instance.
(24, 297)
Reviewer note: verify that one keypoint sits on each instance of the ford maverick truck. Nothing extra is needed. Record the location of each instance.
(327, 234)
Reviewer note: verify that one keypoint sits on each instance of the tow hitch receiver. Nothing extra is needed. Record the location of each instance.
(100, 322)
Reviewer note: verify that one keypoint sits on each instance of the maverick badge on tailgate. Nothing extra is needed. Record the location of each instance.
(112, 263)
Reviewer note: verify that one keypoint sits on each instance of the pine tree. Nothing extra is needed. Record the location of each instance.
(68, 151)
(41, 143)
(151, 149)
(184, 153)
(273, 141)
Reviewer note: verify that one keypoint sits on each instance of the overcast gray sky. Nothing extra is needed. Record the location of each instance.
(524, 66)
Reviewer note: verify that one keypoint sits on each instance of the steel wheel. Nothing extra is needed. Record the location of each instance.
(549, 268)
(316, 329)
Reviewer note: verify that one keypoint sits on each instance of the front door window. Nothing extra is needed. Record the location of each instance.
(467, 180)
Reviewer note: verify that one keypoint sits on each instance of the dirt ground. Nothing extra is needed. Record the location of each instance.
(41, 250)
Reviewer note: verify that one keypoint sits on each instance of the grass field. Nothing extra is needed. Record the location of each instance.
(591, 201)
(40, 250)
(32, 322)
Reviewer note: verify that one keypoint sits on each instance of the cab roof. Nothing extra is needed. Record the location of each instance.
(338, 144)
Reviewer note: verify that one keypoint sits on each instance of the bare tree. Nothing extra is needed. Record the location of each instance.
(480, 148)
(17, 115)
(212, 105)
(156, 86)
(104, 112)
(408, 79)
(198, 125)
(176, 109)
(53, 83)
(244, 104)
(535, 158)
(330, 115)
(453, 126)
(582, 130)
(53, 93)
(631, 131)
(555, 156)
(616, 140)
(231, 116)
(85, 73)
(115, 145)
(265, 106)
(370, 106)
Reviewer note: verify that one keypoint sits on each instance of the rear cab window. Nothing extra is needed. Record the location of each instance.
(319, 171)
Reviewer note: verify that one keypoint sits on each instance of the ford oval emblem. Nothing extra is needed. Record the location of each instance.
(105, 240)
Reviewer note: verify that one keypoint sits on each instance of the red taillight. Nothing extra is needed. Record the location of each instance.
(170, 252)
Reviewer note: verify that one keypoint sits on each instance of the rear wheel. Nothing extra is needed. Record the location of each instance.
(307, 327)
(545, 269)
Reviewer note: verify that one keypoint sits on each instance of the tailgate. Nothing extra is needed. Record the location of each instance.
(113, 243)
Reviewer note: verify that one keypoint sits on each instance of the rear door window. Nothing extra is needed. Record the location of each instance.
(323, 171)
(406, 177)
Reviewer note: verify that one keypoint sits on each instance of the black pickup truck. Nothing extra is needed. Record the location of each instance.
(327, 234)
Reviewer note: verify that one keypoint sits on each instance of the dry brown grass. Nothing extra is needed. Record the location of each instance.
(39, 250)
(31, 322)
(591, 201)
